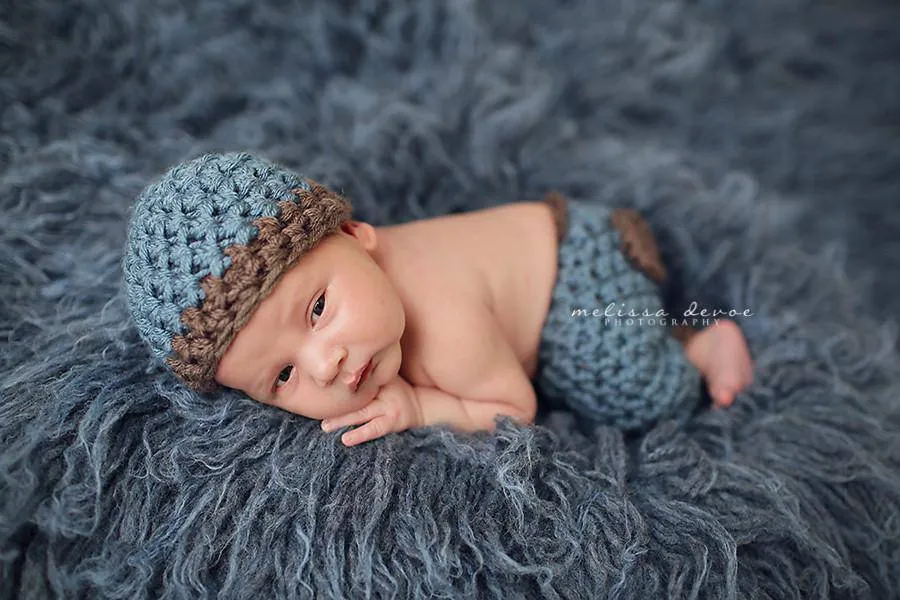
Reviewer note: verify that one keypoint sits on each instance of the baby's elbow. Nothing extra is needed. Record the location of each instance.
(526, 406)
(507, 394)
(526, 417)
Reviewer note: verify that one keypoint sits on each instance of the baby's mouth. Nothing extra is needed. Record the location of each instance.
(363, 376)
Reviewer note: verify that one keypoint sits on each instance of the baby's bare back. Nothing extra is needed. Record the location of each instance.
(468, 281)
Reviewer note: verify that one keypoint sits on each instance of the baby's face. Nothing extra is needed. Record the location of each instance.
(328, 316)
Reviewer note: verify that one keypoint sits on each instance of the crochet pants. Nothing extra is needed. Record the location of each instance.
(594, 357)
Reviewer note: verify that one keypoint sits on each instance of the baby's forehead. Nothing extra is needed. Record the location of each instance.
(321, 260)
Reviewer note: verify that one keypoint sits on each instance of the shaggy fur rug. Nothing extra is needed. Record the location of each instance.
(759, 138)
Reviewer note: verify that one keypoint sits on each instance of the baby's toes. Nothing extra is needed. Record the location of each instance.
(742, 380)
(722, 395)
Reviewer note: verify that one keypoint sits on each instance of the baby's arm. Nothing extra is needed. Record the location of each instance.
(472, 413)
(472, 389)
(465, 414)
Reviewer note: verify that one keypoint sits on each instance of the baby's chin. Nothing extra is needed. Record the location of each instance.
(366, 396)
(367, 392)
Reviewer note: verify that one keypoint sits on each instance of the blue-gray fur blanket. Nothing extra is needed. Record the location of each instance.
(759, 138)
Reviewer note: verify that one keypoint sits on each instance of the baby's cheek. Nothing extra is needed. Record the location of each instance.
(306, 401)
(315, 403)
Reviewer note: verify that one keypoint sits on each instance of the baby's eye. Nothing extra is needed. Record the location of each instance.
(319, 307)
(286, 373)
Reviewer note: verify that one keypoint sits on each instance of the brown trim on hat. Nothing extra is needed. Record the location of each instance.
(255, 270)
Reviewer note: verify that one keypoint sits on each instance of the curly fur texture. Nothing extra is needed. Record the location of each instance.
(757, 138)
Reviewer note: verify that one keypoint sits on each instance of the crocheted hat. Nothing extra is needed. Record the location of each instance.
(207, 243)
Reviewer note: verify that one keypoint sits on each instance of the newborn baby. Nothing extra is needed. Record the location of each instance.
(240, 273)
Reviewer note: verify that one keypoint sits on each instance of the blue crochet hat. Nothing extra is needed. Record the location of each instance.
(207, 242)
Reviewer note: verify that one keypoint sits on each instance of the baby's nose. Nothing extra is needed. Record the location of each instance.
(323, 377)
(329, 368)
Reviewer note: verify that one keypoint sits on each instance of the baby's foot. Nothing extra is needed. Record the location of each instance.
(721, 354)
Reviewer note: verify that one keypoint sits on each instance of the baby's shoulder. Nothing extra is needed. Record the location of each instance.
(470, 281)
(454, 348)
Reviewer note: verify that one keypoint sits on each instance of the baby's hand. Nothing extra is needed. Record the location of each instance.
(395, 408)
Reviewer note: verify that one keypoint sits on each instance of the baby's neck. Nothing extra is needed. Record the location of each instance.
(388, 251)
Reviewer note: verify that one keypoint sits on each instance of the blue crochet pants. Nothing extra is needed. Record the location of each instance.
(614, 370)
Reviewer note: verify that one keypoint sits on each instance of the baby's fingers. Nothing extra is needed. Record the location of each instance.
(373, 429)
(366, 413)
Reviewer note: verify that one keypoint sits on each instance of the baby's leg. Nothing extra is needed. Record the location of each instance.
(618, 372)
(721, 354)
(720, 351)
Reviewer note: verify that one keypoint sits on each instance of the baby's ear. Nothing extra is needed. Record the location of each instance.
(363, 233)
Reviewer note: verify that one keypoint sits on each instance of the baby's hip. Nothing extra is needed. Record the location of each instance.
(602, 301)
